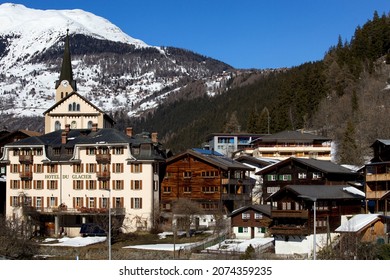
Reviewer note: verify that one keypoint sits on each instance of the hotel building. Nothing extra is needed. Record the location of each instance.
(82, 167)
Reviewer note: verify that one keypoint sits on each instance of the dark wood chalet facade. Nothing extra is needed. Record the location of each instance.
(377, 178)
(214, 181)
(301, 171)
(293, 213)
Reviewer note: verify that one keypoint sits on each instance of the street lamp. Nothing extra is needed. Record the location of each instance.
(109, 223)
(314, 221)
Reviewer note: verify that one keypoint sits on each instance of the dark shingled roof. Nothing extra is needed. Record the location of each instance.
(219, 160)
(87, 136)
(324, 166)
(321, 192)
(263, 208)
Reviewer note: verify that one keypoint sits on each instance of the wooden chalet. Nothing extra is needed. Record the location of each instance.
(213, 180)
(293, 213)
(377, 178)
(301, 171)
(251, 221)
(366, 228)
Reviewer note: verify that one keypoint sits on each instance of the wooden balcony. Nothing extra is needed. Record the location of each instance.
(26, 159)
(103, 158)
(378, 177)
(289, 230)
(26, 175)
(303, 214)
(226, 181)
(103, 175)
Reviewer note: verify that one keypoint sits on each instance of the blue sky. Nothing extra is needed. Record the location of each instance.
(242, 33)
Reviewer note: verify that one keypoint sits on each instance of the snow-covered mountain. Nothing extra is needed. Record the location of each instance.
(112, 69)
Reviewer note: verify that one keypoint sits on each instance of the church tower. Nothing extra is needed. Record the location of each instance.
(65, 85)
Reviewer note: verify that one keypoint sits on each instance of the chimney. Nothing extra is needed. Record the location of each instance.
(94, 127)
(67, 128)
(154, 137)
(64, 137)
(129, 131)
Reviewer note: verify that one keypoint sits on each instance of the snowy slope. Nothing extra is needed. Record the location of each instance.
(41, 28)
(132, 81)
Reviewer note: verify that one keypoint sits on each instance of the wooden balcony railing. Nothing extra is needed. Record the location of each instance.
(26, 159)
(290, 213)
(289, 230)
(70, 211)
(103, 158)
(26, 175)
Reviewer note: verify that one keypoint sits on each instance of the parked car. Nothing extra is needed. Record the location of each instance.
(91, 229)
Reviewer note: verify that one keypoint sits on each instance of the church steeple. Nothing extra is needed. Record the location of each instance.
(65, 84)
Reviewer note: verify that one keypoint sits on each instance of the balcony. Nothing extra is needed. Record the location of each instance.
(289, 230)
(103, 175)
(378, 177)
(303, 214)
(26, 175)
(103, 158)
(72, 211)
(227, 181)
(26, 159)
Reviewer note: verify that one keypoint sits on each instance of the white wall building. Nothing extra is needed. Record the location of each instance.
(60, 180)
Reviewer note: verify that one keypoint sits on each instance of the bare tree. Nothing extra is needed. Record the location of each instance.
(185, 211)
(14, 242)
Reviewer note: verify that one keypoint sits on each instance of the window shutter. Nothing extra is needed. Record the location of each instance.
(131, 203)
(132, 168)
(140, 202)
(140, 167)
(132, 184)
(140, 184)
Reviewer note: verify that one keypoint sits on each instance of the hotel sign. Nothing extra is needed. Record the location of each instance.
(74, 176)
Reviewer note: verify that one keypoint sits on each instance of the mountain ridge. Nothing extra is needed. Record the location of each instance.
(113, 70)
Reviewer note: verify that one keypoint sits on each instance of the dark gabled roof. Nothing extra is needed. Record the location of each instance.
(253, 161)
(85, 137)
(219, 160)
(262, 208)
(320, 192)
(297, 136)
(385, 142)
(324, 166)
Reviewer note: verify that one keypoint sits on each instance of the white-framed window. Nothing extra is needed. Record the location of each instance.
(317, 175)
(302, 175)
(246, 216)
(258, 216)
(272, 189)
